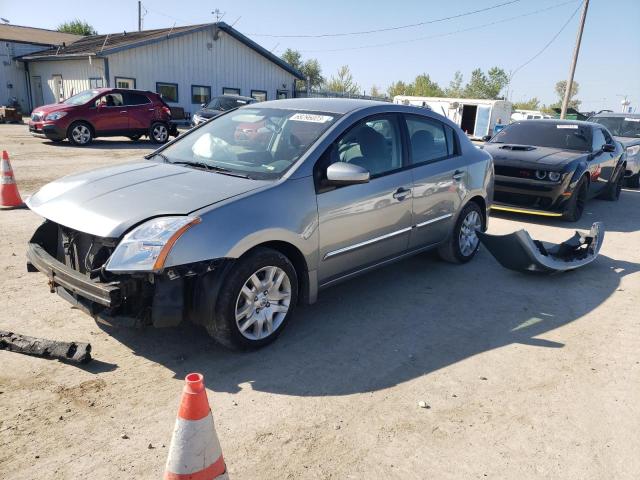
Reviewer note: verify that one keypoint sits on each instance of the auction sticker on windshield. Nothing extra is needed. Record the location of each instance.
(310, 117)
(573, 127)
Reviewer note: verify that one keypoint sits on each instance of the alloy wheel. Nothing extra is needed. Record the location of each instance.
(160, 133)
(263, 303)
(468, 240)
(81, 134)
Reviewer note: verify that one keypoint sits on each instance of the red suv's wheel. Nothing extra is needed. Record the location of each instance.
(80, 133)
(159, 132)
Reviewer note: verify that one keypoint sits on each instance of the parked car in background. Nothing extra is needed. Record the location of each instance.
(625, 128)
(520, 114)
(219, 105)
(552, 167)
(232, 232)
(104, 112)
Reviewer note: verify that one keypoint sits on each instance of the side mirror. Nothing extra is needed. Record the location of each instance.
(342, 173)
(486, 138)
(608, 147)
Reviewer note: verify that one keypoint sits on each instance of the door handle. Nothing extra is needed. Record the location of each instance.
(123, 111)
(401, 193)
(457, 175)
(151, 109)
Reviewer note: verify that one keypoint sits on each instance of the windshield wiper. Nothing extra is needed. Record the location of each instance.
(213, 168)
(161, 155)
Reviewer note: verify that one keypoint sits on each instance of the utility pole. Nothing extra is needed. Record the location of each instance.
(139, 16)
(572, 70)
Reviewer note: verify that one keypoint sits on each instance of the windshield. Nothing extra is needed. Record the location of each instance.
(547, 133)
(620, 126)
(260, 143)
(81, 98)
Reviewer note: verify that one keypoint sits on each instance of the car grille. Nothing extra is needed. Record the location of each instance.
(37, 116)
(522, 200)
(519, 172)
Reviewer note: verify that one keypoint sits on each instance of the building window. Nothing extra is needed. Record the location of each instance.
(200, 94)
(230, 91)
(125, 82)
(168, 91)
(259, 95)
(282, 94)
(95, 83)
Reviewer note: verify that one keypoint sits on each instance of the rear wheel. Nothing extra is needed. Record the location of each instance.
(578, 200)
(463, 243)
(256, 301)
(159, 132)
(80, 133)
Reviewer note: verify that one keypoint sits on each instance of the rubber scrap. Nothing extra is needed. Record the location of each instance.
(75, 352)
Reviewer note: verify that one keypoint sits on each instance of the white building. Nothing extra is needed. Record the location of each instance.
(187, 65)
(15, 41)
(476, 117)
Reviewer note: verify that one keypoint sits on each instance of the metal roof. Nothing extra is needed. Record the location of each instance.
(103, 45)
(35, 36)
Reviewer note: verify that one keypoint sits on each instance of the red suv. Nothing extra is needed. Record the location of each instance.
(104, 112)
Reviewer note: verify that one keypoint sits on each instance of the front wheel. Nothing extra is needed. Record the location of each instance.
(463, 243)
(159, 133)
(578, 200)
(80, 134)
(256, 301)
(612, 193)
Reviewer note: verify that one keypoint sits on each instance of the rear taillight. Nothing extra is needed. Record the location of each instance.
(166, 110)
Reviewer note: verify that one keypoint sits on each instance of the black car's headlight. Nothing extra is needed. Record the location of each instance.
(555, 176)
(546, 175)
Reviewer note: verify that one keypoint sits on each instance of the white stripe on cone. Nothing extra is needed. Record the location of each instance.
(6, 167)
(194, 446)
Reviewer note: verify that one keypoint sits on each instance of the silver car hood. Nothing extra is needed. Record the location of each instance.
(108, 201)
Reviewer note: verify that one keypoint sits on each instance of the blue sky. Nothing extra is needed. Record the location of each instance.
(608, 66)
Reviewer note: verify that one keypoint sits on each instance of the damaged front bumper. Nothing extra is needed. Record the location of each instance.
(518, 251)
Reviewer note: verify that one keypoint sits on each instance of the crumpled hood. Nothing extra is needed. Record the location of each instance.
(531, 156)
(109, 201)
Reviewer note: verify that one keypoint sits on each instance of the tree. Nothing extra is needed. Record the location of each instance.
(531, 104)
(483, 86)
(77, 27)
(423, 86)
(399, 88)
(560, 88)
(310, 69)
(343, 82)
(375, 92)
(455, 89)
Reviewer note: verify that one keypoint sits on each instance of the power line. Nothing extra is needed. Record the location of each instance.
(446, 34)
(388, 29)
(548, 44)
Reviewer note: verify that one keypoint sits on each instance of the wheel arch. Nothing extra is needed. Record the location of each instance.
(482, 203)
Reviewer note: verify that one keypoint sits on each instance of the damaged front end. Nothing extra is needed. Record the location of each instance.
(518, 251)
(75, 263)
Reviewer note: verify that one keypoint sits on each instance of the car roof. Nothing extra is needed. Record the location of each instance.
(612, 114)
(556, 121)
(332, 105)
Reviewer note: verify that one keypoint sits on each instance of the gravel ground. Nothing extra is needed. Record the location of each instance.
(521, 376)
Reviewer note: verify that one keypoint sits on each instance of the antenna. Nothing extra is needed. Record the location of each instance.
(218, 14)
(4, 20)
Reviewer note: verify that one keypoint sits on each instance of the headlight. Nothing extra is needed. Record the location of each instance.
(541, 174)
(55, 115)
(554, 176)
(633, 150)
(145, 248)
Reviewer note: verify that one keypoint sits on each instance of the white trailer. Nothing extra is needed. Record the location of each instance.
(476, 117)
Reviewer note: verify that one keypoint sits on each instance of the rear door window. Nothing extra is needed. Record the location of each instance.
(430, 140)
(135, 99)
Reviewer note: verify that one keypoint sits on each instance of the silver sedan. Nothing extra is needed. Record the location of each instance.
(236, 222)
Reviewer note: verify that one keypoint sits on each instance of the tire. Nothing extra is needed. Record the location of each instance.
(456, 250)
(634, 181)
(578, 200)
(80, 134)
(235, 311)
(159, 133)
(134, 138)
(612, 193)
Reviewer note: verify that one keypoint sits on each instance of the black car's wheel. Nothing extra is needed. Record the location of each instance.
(634, 181)
(255, 302)
(612, 193)
(463, 243)
(159, 132)
(578, 200)
(80, 133)
(134, 138)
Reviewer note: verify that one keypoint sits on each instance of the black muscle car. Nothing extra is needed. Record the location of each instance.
(552, 167)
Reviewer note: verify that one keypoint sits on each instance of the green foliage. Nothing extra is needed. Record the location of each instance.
(375, 92)
(399, 88)
(531, 104)
(310, 69)
(343, 82)
(455, 90)
(486, 86)
(422, 86)
(77, 27)
(560, 88)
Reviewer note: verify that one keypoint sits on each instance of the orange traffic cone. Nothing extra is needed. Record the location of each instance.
(195, 451)
(9, 195)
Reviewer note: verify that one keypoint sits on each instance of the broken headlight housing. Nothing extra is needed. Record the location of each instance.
(145, 248)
